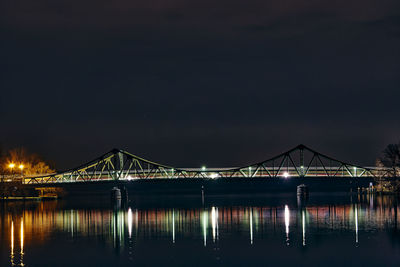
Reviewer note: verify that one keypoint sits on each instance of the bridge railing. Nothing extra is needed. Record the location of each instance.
(215, 174)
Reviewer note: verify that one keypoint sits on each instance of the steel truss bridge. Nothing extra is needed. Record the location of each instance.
(300, 161)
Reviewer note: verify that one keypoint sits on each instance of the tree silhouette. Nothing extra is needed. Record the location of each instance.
(391, 158)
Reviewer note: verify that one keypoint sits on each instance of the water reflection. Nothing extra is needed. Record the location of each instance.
(22, 242)
(13, 235)
(173, 226)
(251, 226)
(130, 222)
(124, 229)
(303, 226)
(214, 223)
(287, 222)
(12, 243)
(173, 222)
(205, 228)
(356, 222)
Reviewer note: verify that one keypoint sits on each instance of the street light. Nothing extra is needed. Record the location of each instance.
(11, 166)
(21, 167)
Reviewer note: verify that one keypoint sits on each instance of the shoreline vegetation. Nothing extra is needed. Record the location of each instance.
(385, 187)
(390, 159)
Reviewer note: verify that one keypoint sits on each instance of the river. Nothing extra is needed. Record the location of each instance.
(241, 230)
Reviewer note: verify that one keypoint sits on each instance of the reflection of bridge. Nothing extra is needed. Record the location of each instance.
(210, 224)
(300, 161)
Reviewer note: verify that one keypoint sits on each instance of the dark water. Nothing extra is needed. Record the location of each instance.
(226, 231)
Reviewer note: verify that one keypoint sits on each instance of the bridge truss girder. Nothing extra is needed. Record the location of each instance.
(300, 161)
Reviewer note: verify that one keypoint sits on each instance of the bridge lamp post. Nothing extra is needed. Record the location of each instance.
(21, 167)
(203, 169)
(11, 166)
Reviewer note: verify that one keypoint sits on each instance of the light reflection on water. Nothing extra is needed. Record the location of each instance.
(356, 221)
(126, 229)
(303, 226)
(287, 223)
(12, 243)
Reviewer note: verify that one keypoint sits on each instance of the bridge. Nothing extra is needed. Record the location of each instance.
(300, 161)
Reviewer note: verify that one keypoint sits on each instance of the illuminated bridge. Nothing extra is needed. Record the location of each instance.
(300, 161)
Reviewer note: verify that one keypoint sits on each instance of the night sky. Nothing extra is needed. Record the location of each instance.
(187, 83)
